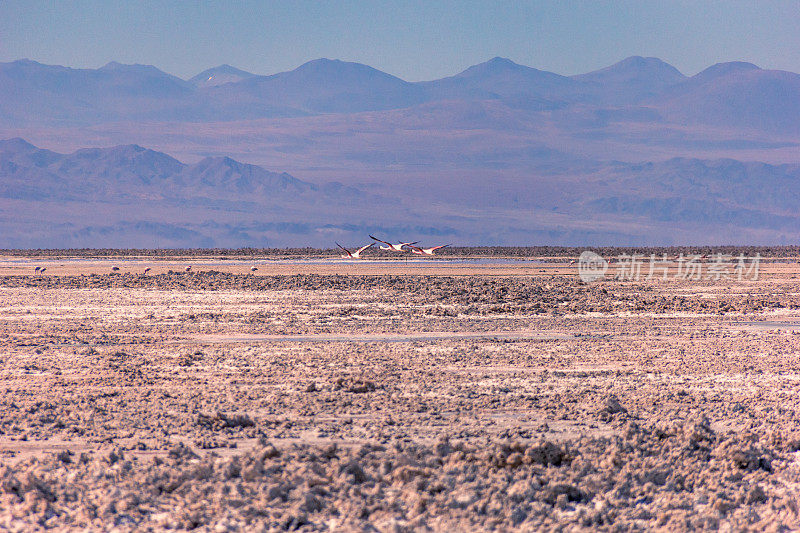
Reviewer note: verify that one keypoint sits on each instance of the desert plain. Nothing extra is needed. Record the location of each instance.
(451, 395)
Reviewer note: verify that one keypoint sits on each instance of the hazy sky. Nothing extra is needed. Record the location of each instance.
(415, 40)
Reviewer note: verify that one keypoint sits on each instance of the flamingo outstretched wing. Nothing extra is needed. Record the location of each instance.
(345, 249)
(379, 240)
(364, 248)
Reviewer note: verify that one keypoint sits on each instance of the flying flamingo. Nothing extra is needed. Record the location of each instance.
(356, 254)
(394, 247)
(426, 251)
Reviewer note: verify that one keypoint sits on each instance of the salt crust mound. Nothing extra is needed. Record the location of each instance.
(679, 477)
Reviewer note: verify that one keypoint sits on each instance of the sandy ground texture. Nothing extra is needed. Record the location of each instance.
(307, 399)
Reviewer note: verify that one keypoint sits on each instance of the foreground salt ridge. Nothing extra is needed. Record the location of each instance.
(644, 477)
(678, 422)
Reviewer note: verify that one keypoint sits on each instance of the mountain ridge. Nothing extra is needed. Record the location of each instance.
(128, 195)
(35, 94)
(497, 153)
(114, 169)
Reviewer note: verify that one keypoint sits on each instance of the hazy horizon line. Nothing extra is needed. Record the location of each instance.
(384, 71)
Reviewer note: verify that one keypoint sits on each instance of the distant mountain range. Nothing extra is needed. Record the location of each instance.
(129, 172)
(726, 94)
(130, 196)
(127, 192)
(501, 153)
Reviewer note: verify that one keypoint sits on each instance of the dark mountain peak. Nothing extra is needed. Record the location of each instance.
(737, 95)
(129, 149)
(649, 64)
(324, 62)
(219, 161)
(634, 60)
(324, 85)
(225, 69)
(114, 66)
(639, 62)
(138, 71)
(646, 69)
(501, 62)
(224, 172)
(339, 69)
(139, 81)
(220, 75)
(631, 80)
(24, 153)
(227, 164)
(496, 65)
(501, 78)
(17, 144)
(26, 62)
(28, 67)
(91, 169)
(725, 69)
(121, 149)
(128, 154)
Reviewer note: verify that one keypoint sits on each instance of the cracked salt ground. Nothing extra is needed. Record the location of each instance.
(124, 408)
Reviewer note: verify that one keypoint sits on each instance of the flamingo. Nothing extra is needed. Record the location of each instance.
(188, 268)
(393, 247)
(426, 251)
(41, 270)
(115, 269)
(146, 270)
(37, 269)
(356, 254)
(253, 269)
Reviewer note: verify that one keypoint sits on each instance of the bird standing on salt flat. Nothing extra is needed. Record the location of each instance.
(115, 269)
(41, 270)
(426, 251)
(146, 270)
(356, 254)
(393, 247)
(188, 268)
(37, 269)
(253, 269)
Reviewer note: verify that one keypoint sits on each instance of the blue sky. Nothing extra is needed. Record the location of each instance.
(415, 40)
